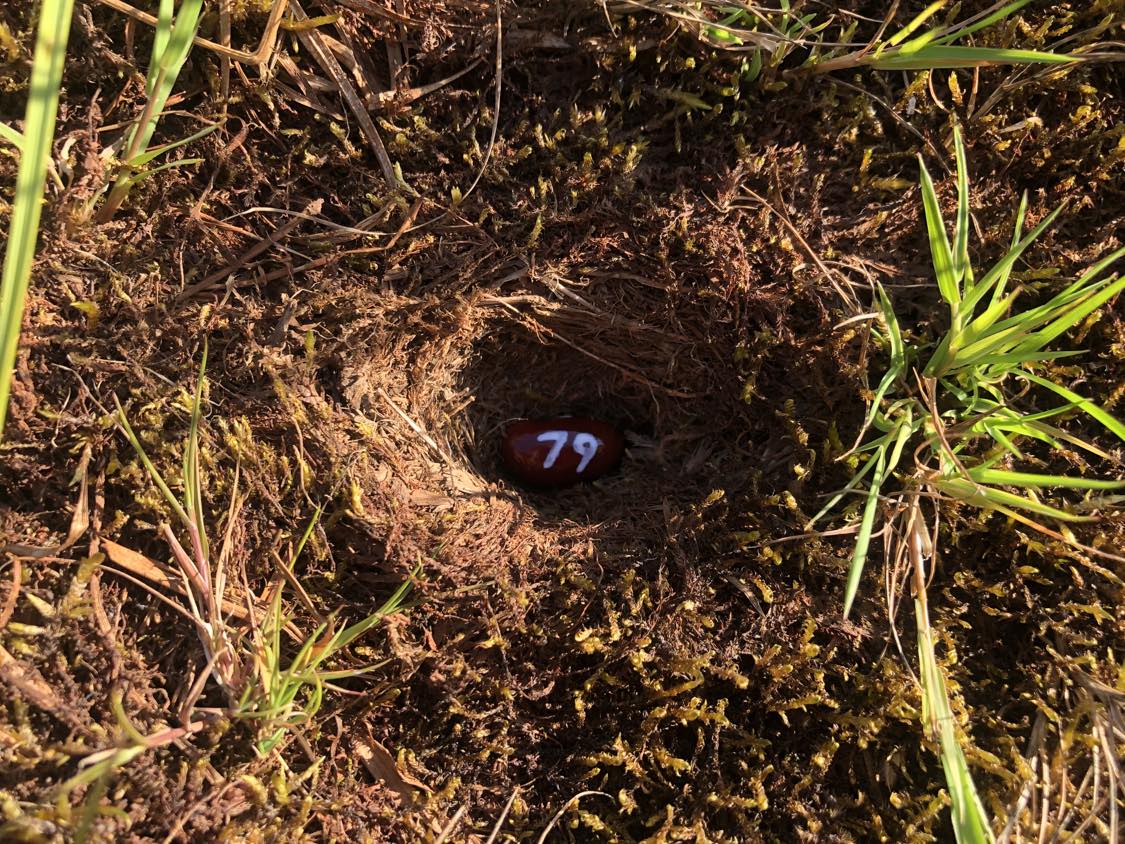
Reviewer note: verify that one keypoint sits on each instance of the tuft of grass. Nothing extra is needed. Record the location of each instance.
(962, 395)
(958, 406)
(248, 668)
(171, 45)
(275, 699)
(204, 579)
(35, 153)
(937, 48)
(771, 35)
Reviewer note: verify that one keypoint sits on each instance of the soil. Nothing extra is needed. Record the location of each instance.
(636, 235)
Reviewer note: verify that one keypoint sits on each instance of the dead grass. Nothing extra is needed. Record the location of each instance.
(634, 638)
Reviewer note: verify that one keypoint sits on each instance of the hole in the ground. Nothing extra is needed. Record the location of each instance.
(675, 396)
(425, 404)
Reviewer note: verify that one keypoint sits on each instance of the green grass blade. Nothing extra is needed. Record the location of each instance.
(1008, 360)
(940, 252)
(171, 47)
(982, 324)
(970, 822)
(996, 341)
(1082, 403)
(1017, 235)
(7, 133)
(916, 44)
(165, 17)
(273, 654)
(938, 364)
(1083, 286)
(27, 207)
(307, 534)
(937, 57)
(1003, 268)
(894, 333)
(918, 20)
(137, 178)
(193, 485)
(755, 68)
(169, 60)
(1005, 441)
(1073, 316)
(866, 525)
(305, 656)
(144, 158)
(851, 484)
(1013, 419)
(1055, 436)
(1037, 481)
(1097, 268)
(345, 673)
(392, 605)
(961, 269)
(153, 473)
(1018, 333)
(884, 465)
(1023, 324)
(898, 355)
(987, 497)
(983, 23)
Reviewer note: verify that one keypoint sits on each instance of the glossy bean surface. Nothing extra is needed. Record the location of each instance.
(560, 451)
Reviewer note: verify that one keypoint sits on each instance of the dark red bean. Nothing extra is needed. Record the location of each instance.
(561, 451)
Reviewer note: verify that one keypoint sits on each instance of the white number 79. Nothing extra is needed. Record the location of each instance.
(584, 445)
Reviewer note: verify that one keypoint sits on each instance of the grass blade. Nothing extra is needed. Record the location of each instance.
(961, 269)
(1003, 267)
(135, 179)
(991, 498)
(982, 327)
(940, 252)
(392, 605)
(38, 138)
(152, 471)
(1037, 481)
(884, 465)
(145, 157)
(165, 17)
(851, 484)
(1072, 317)
(983, 23)
(898, 356)
(1006, 361)
(937, 57)
(919, 19)
(866, 525)
(1097, 268)
(970, 822)
(1005, 441)
(1081, 402)
(170, 50)
(193, 487)
(1017, 234)
(1007, 334)
(170, 58)
(7, 133)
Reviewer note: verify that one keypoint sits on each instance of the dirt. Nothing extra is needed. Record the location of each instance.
(642, 655)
